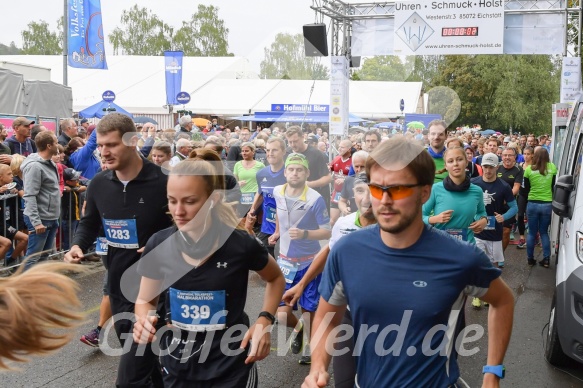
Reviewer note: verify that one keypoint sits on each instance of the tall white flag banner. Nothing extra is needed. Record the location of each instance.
(570, 79)
(429, 27)
(339, 77)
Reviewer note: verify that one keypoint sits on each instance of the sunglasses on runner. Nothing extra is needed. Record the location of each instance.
(395, 192)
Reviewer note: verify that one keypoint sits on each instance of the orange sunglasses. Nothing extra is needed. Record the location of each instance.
(395, 192)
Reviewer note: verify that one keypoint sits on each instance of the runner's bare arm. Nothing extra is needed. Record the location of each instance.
(328, 316)
(291, 296)
(500, 317)
(144, 328)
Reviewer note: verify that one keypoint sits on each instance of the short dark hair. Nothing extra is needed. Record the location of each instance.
(395, 152)
(115, 122)
(373, 133)
(44, 139)
(437, 122)
(294, 130)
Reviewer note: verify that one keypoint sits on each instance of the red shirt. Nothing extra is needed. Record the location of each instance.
(340, 168)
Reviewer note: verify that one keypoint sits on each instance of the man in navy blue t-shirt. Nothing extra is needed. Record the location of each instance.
(407, 284)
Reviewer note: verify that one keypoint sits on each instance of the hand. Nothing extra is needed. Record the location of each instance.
(141, 250)
(5, 159)
(478, 226)
(2, 189)
(242, 183)
(144, 329)
(74, 256)
(316, 379)
(250, 221)
(296, 234)
(443, 217)
(260, 336)
(346, 212)
(40, 229)
(291, 296)
(499, 218)
(273, 238)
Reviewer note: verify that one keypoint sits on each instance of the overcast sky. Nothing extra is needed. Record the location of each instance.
(252, 24)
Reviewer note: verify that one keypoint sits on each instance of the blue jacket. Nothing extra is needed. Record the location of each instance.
(84, 159)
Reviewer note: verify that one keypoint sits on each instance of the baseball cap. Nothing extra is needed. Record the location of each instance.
(297, 158)
(506, 139)
(71, 174)
(490, 159)
(84, 121)
(312, 139)
(22, 121)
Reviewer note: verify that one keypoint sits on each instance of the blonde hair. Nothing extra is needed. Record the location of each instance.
(33, 304)
(213, 175)
(4, 168)
(15, 164)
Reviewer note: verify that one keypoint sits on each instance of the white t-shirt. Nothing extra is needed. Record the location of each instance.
(345, 225)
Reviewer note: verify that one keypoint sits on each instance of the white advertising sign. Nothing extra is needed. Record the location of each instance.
(570, 79)
(339, 76)
(427, 27)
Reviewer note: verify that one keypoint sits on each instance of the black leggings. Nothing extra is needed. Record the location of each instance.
(522, 201)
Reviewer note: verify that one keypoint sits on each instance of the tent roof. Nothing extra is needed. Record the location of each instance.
(217, 85)
(137, 81)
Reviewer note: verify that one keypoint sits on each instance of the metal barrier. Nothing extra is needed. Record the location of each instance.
(10, 204)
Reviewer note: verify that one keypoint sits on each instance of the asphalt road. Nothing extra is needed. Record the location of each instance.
(78, 365)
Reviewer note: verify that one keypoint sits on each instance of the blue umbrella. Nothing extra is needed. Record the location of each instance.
(144, 120)
(488, 132)
(97, 110)
(387, 124)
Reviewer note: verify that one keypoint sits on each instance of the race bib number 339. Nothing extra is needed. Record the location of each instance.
(121, 233)
(198, 310)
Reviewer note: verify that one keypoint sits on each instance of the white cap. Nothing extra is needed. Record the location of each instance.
(490, 159)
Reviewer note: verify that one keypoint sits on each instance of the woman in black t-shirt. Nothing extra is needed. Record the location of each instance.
(201, 266)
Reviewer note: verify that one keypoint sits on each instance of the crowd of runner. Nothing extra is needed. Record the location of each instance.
(180, 217)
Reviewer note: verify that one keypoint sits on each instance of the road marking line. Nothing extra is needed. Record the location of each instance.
(92, 309)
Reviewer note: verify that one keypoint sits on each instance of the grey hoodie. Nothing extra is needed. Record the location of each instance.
(41, 189)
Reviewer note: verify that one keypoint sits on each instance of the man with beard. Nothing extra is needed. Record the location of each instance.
(42, 198)
(437, 137)
(344, 369)
(404, 280)
(302, 220)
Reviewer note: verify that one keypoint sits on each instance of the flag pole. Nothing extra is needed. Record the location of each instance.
(65, 42)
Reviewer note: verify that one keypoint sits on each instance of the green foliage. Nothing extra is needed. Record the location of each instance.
(503, 91)
(203, 35)
(9, 50)
(383, 68)
(142, 33)
(38, 40)
(286, 59)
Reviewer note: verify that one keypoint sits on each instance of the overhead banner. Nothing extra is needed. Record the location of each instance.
(428, 27)
(173, 71)
(316, 108)
(339, 77)
(570, 79)
(86, 47)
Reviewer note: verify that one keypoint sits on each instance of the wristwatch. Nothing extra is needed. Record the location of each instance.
(305, 234)
(498, 370)
(267, 315)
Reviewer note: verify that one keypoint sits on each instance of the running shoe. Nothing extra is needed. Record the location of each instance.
(501, 264)
(476, 303)
(521, 244)
(486, 304)
(297, 343)
(544, 262)
(512, 234)
(531, 262)
(92, 338)
(305, 360)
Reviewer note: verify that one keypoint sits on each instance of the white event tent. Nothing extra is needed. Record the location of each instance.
(223, 86)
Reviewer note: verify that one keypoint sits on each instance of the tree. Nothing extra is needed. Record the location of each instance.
(502, 91)
(286, 59)
(38, 40)
(9, 50)
(204, 35)
(142, 33)
(383, 68)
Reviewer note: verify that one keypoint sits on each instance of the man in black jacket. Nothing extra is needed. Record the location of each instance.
(129, 201)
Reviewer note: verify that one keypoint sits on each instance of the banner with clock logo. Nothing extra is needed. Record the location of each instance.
(427, 27)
